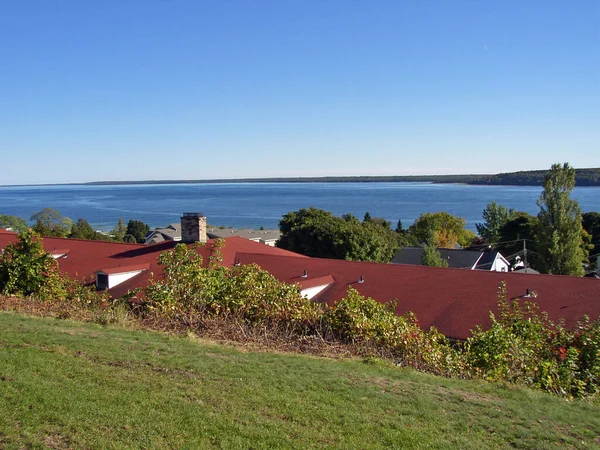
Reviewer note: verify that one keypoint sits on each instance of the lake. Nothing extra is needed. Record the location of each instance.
(254, 205)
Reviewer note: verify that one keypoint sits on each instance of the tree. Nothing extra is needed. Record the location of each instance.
(138, 230)
(431, 257)
(13, 223)
(591, 223)
(120, 230)
(495, 217)
(367, 217)
(399, 227)
(318, 233)
(560, 240)
(520, 227)
(25, 266)
(442, 230)
(82, 230)
(49, 222)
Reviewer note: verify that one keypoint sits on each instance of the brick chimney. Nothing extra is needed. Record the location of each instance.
(193, 227)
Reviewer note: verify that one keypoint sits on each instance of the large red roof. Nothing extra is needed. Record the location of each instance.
(452, 300)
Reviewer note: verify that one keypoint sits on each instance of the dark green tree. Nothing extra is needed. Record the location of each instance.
(367, 217)
(82, 230)
(560, 238)
(591, 224)
(49, 222)
(13, 223)
(319, 233)
(521, 226)
(138, 230)
(399, 227)
(495, 217)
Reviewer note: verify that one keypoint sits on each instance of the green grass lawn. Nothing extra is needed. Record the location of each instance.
(66, 384)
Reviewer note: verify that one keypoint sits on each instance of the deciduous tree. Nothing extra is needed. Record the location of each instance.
(318, 233)
(120, 230)
(495, 216)
(446, 230)
(560, 240)
(50, 222)
(431, 257)
(13, 223)
(25, 266)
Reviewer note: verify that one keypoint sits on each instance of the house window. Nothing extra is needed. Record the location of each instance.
(101, 281)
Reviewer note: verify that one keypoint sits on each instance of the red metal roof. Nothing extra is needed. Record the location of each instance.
(125, 269)
(452, 300)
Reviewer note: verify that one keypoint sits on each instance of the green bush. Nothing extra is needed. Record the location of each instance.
(245, 292)
(362, 320)
(26, 269)
(523, 346)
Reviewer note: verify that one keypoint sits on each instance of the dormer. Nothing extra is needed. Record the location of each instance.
(113, 276)
(61, 253)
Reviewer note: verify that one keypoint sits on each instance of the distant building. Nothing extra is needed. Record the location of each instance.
(267, 237)
(172, 232)
(457, 259)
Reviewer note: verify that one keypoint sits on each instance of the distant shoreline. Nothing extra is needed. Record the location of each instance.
(584, 177)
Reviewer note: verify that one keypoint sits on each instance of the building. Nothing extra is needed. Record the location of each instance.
(456, 258)
(452, 300)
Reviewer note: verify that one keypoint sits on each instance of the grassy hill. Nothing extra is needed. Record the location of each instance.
(65, 384)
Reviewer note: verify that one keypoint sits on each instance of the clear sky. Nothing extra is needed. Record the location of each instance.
(190, 89)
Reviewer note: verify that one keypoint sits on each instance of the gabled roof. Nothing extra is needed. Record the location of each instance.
(452, 300)
(457, 258)
(125, 269)
(265, 235)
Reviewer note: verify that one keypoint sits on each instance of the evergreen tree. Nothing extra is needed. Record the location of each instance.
(138, 230)
(82, 230)
(560, 241)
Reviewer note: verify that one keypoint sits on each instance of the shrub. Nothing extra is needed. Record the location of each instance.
(25, 267)
(246, 292)
(362, 320)
(523, 346)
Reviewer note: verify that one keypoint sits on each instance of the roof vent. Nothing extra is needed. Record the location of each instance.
(361, 280)
(237, 262)
(305, 274)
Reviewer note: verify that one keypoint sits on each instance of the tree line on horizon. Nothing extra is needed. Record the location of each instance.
(583, 177)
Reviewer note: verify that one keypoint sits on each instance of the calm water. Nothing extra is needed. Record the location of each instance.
(262, 204)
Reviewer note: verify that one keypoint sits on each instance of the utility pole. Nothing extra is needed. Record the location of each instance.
(525, 254)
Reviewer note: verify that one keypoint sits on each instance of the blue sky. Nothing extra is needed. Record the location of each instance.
(137, 90)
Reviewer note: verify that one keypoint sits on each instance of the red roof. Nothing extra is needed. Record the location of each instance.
(452, 300)
(125, 269)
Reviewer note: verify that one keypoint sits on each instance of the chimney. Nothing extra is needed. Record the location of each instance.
(193, 227)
